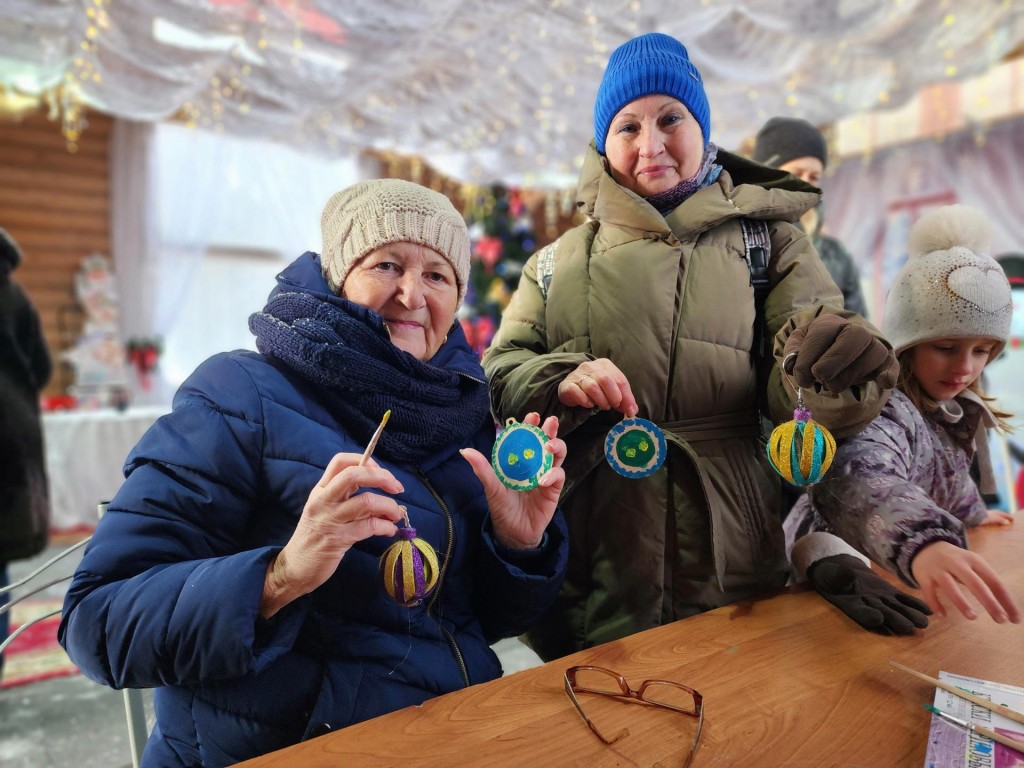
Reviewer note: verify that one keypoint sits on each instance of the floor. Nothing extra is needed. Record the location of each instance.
(72, 721)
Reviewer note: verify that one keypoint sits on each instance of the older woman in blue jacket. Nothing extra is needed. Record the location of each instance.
(236, 570)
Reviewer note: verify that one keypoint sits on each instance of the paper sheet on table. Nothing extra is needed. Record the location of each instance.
(950, 746)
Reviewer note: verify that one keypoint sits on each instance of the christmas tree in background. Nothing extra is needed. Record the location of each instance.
(502, 238)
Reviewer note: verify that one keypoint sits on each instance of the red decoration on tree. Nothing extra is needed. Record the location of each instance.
(479, 331)
(489, 250)
(516, 206)
(143, 354)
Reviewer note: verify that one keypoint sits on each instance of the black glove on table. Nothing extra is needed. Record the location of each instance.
(866, 597)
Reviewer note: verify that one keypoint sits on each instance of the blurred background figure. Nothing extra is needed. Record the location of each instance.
(24, 370)
(1002, 379)
(797, 147)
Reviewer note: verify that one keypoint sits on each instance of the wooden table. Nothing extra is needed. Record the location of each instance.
(787, 681)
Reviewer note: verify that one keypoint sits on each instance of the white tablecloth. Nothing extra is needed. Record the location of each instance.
(85, 451)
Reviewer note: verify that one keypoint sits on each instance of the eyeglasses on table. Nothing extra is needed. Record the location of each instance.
(664, 694)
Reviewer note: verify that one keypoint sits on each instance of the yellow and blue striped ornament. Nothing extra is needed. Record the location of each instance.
(801, 450)
(409, 568)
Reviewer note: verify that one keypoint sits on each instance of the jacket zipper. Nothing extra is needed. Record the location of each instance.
(432, 603)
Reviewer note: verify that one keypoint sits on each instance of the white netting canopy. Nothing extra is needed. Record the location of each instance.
(501, 89)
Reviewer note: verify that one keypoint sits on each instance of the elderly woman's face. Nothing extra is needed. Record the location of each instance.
(413, 288)
(653, 144)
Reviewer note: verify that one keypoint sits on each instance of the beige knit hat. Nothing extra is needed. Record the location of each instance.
(371, 214)
(950, 286)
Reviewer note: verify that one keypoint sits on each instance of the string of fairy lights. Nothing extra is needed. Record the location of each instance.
(531, 122)
(66, 101)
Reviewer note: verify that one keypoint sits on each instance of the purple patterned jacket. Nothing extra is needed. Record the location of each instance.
(902, 483)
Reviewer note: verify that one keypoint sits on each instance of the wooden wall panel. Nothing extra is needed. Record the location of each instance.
(56, 205)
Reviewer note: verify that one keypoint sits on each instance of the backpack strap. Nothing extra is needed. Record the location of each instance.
(546, 268)
(757, 246)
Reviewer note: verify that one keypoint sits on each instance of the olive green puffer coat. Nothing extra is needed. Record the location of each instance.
(669, 301)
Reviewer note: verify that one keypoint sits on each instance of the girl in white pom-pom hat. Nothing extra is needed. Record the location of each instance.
(903, 491)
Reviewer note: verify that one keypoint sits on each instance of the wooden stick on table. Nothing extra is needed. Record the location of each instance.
(990, 705)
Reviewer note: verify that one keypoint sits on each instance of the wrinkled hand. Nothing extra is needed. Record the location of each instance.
(866, 597)
(521, 517)
(598, 384)
(335, 517)
(943, 568)
(836, 353)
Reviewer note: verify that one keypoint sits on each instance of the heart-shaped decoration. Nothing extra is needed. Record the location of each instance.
(985, 288)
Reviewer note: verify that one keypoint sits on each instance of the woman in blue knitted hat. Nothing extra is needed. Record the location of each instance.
(649, 309)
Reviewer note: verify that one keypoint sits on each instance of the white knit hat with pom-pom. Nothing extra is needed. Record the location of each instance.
(950, 286)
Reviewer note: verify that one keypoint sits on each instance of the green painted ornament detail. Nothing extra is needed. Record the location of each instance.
(635, 448)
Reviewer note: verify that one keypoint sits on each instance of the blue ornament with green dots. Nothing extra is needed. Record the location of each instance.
(518, 456)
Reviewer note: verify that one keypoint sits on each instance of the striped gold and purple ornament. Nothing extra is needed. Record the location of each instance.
(409, 568)
(801, 450)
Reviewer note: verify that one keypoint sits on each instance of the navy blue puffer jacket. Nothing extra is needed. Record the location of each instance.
(168, 591)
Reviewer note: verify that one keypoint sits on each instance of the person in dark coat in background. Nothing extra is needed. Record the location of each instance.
(797, 147)
(25, 369)
(237, 568)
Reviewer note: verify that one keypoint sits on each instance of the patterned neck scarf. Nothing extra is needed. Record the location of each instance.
(345, 349)
(667, 201)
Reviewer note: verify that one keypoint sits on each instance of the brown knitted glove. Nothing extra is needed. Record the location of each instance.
(836, 353)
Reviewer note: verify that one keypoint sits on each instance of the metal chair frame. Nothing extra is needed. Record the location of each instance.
(135, 711)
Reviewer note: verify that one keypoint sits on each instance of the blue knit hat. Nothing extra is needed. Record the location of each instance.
(652, 63)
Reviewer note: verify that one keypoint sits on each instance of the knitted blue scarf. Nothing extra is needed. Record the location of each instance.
(345, 348)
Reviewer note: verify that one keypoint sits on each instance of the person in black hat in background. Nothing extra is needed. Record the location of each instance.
(797, 147)
(25, 369)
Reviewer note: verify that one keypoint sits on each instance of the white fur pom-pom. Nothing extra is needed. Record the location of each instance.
(949, 227)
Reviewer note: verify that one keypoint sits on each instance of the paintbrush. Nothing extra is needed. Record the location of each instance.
(1006, 712)
(981, 730)
(373, 440)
